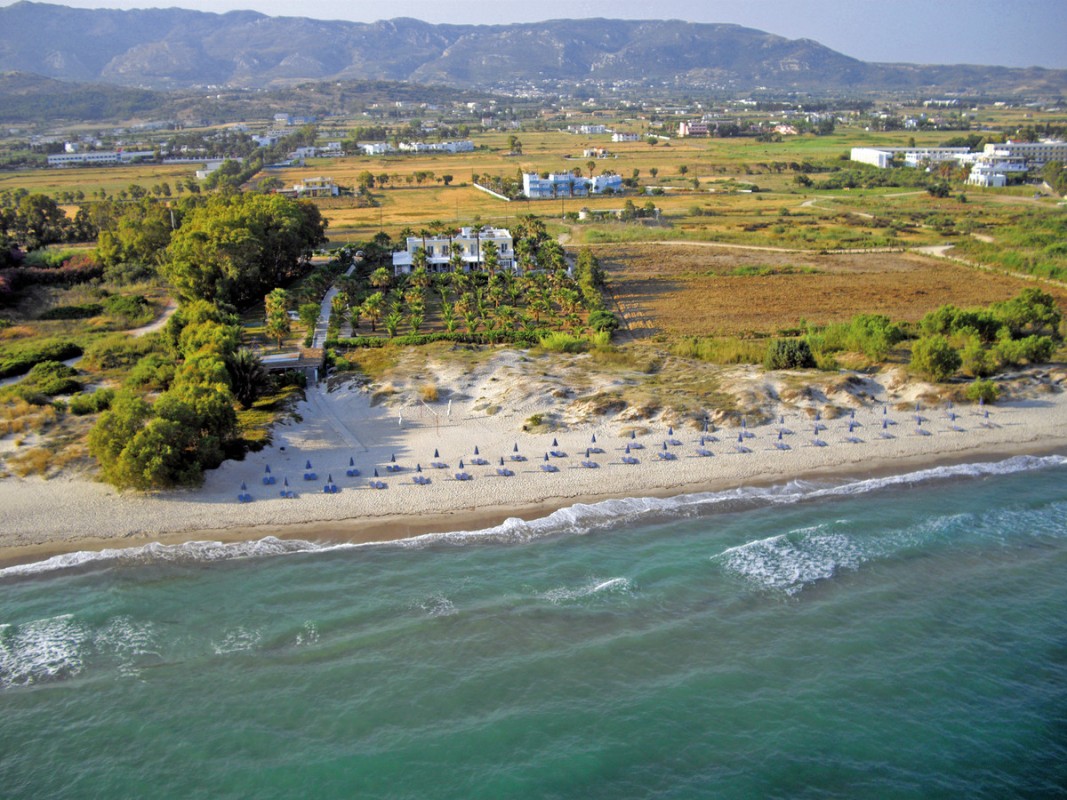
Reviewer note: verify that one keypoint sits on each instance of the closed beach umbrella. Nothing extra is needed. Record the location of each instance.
(475, 449)
(308, 464)
(594, 438)
(435, 453)
(351, 461)
(515, 449)
(267, 470)
(375, 472)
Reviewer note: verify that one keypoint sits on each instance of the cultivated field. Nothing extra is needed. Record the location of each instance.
(693, 290)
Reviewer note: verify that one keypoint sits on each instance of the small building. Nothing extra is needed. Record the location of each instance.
(691, 128)
(469, 243)
(566, 184)
(312, 187)
(625, 137)
(376, 148)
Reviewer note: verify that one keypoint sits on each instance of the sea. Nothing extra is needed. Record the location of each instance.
(897, 637)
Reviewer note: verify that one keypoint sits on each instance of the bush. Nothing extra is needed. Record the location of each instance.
(72, 312)
(935, 358)
(18, 359)
(603, 321)
(153, 371)
(558, 342)
(788, 354)
(118, 350)
(50, 378)
(983, 390)
(91, 402)
(1031, 350)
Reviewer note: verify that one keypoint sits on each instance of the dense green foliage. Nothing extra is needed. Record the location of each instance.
(237, 247)
(85, 403)
(935, 358)
(191, 425)
(18, 358)
(871, 334)
(789, 354)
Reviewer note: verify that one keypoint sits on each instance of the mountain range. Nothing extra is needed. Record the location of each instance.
(176, 48)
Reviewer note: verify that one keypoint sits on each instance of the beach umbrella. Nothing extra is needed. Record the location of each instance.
(670, 430)
(852, 414)
(885, 424)
(435, 453)
(329, 478)
(554, 442)
(267, 470)
(633, 434)
(475, 449)
(885, 410)
(515, 449)
(418, 467)
(918, 407)
(705, 424)
(985, 414)
(546, 456)
(502, 461)
(664, 445)
(779, 437)
(851, 426)
(308, 464)
(243, 487)
(744, 423)
(818, 416)
(627, 449)
(351, 461)
(461, 463)
(285, 483)
(594, 438)
(392, 458)
(375, 472)
(587, 452)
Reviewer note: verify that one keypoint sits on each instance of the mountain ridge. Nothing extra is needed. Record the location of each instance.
(178, 48)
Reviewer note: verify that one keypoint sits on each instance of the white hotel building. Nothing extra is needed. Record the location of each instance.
(469, 242)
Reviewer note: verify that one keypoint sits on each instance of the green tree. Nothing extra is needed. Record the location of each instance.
(309, 318)
(935, 358)
(277, 308)
(248, 377)
(373, 308)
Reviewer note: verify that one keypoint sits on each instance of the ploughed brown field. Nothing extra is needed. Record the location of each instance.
(696, 290)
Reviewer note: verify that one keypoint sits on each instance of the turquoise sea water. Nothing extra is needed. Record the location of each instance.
(904, 637)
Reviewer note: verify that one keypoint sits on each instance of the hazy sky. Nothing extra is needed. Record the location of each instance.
(1015, 33)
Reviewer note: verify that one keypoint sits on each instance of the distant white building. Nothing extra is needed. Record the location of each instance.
(691, 128)
(313, 187)
(882, 157)
(469, 243)
(98, 157)
(625, 137)
(566, 184)
(1036, 154)
(437, 147)
(376, 148)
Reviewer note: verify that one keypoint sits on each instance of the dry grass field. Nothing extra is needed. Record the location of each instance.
(694, 290)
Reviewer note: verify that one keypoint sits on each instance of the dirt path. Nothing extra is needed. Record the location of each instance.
(152, 327)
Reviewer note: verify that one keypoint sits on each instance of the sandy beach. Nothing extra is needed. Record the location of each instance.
(343, 422)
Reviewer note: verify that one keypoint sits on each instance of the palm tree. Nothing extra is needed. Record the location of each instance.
(380, 279)
(247, 376)
(373, 307)
(392, 322)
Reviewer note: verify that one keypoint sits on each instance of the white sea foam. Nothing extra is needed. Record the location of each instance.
(41, 650)
(130, 642)
(591, 588)
(237, 640)
(577, 519)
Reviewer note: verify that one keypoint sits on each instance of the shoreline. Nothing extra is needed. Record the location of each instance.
(845, 429)
(385, 529)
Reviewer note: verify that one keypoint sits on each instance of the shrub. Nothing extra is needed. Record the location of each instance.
(118, 350)
(788, 354)
(983, 390)
(50, 378)
(558, 342)
(91, 402)
(18, 359)
(1031, 350)
(603, 321)
(84, 311)
(935, 358)
(153, 371)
